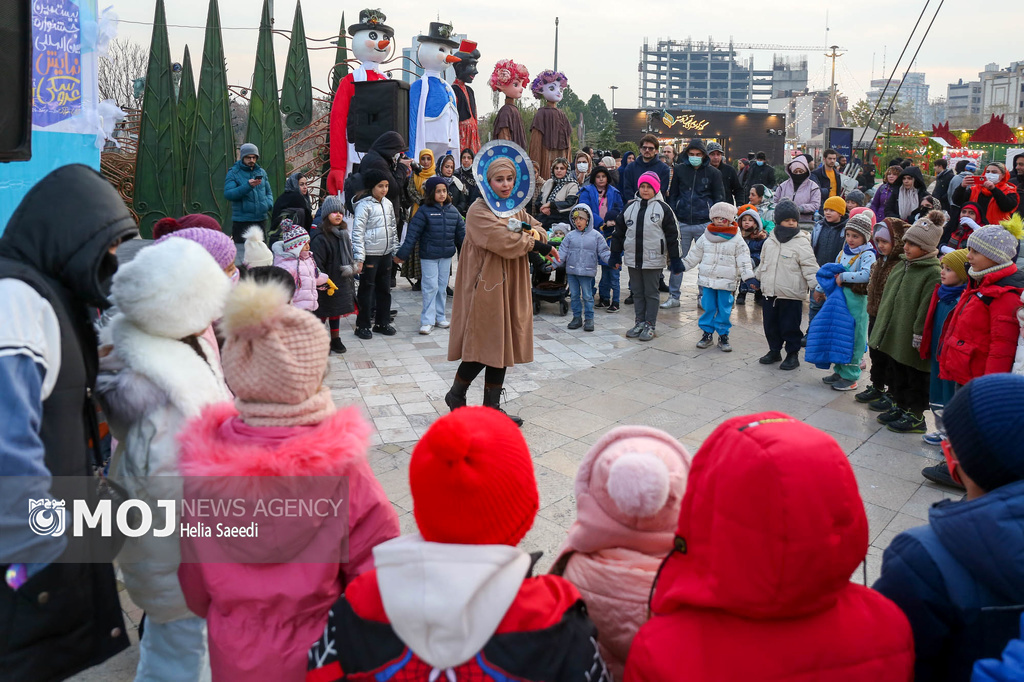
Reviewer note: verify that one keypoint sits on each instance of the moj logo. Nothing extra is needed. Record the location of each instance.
(47, 517)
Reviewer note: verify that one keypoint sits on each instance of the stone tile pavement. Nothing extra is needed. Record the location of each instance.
(582, 384)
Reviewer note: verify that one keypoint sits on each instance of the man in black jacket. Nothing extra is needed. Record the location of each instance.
(760, 174)
(696, 187)
(942, 177)
(827, 176)
(730, 178)
(56, 263)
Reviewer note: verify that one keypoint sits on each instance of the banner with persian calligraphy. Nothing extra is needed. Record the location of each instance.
(57, 61)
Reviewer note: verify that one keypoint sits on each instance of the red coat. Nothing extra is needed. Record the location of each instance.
(758, 587)
(980, 336)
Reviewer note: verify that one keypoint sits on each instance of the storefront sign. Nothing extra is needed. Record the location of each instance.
(685, 121)
(57, 61)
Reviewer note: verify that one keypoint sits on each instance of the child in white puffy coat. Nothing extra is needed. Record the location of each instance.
(722, 260)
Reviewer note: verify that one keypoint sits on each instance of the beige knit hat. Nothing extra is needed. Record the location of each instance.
(926, 231)
(275, 357)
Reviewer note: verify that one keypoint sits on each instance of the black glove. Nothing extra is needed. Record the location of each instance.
(616, 259)
(676, 266)
(543, 248)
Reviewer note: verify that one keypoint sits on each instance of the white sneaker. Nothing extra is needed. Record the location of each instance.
(670, 303)
(443, 324)
(426, 329)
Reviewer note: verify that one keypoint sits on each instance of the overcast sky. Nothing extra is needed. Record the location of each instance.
(600, 40)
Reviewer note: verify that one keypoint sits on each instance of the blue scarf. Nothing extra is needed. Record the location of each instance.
(860, 249)
(950, 294)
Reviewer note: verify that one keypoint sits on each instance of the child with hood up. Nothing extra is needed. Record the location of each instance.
(293, 254)
(968, 224)
(628, 491)
(331, 247)
(754, 235)
(265, 599)
(581, 251)
(737, 600)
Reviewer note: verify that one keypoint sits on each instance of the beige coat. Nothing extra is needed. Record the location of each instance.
(787, 270)
(492, 310)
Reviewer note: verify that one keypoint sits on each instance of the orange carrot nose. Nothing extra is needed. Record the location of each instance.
(383, 44)
(451, 59)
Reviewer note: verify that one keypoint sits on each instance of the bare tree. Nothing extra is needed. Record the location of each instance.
(125, 62)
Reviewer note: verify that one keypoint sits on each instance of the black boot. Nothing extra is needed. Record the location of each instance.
(456, 396)
(337, 346)
(492, 399)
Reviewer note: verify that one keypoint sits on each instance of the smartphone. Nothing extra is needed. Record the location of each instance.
(969, 180)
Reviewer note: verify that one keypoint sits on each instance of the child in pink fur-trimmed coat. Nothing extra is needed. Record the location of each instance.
(266, 599)
(628, 492)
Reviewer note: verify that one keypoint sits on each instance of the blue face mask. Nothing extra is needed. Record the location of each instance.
(759, 163)
(695, 160)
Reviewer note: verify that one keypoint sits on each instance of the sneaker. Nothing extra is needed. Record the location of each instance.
(635, 331)
(831, 379)
(940, 474)
(600, 303)
(844, 385)
(908, 423)
(629, 300)
(417, 286)
(588, 325)
(792, 361)
(386, 330)
(868, 395)
(770, 358)
(443, 324)
(883, 404)
(426, 329)
(648, 333)
(741, 299)
(364, 333)
(337, 346)
(934, 438)
(723, 343)
(670, 303)
(893, 414)
(706, 340)
(613, 307)
(575, 323)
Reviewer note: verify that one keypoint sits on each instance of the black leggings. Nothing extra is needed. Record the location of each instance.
(471, 370)
(334, 322)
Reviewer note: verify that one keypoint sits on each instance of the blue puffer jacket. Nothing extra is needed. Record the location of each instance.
(1009, 669)
(248, 203)
(960, 581)
(582, 252)
(830, 338)
(438, 229)
(589, 196)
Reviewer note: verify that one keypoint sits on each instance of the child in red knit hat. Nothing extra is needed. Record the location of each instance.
(455, 601)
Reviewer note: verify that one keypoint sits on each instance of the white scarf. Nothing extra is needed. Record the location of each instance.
(908, 201)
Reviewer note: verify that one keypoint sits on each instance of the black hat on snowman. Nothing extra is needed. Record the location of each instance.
(370, 20)
(440, 33)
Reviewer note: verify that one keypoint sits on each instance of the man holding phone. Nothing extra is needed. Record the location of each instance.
(247, 187)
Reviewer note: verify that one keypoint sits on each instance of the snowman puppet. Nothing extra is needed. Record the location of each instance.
(372, 41)
(433, 112)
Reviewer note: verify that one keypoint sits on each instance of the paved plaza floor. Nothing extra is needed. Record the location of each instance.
(582, 384)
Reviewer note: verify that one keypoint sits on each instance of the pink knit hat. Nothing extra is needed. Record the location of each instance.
(166, 226)
(218, 244)
(629, 488)
(651, 179)
(274, 357)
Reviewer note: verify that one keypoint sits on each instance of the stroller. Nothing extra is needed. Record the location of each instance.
(545, 288)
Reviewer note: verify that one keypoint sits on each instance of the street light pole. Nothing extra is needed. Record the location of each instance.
(613, 88)
(556, 43)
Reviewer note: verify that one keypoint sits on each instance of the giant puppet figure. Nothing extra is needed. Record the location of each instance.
(551, 132)
(433, 113)
(371, 44)
(465, 72)
(510, 79)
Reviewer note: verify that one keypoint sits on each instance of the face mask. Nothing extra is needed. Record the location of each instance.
(992, 177)
(760, 163)
(695, 160)
(582, 167)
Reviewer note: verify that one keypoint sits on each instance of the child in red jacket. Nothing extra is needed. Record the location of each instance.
(739, 599)
(981, 333)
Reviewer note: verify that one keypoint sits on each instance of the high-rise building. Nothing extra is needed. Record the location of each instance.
(1002, 93)
(707, 75)
(913, 93)
(965, 106)
(409, 61)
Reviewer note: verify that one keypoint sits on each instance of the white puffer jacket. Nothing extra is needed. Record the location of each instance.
(374, 232)
(787, 270)
(721, 263)
(1018, 362)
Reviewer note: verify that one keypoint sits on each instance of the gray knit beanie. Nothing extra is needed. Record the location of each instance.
(247, 149)
(786, 210)
(995, 243)
(332, 204)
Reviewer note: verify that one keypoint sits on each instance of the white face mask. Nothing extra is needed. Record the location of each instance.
(992, 177)
(582, 167)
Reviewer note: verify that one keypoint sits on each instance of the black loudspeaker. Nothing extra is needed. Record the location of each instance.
(376, 108)
(16, 81)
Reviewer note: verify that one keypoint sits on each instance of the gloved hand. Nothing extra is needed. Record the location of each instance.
(916, 342)
(753, 283)
(676, 266)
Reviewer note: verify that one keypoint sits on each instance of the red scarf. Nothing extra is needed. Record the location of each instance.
(994, 214)
(730, 229)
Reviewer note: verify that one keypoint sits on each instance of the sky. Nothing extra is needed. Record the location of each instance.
(600, 40)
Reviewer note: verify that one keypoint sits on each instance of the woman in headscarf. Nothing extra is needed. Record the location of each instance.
(294, 198)
(806, 195)
(995, 196)
(885, 190)
(557, 195)
(492, 312)
(906, 195)
(582, 166)
(411, 267)
(465, 173)
(457, 190)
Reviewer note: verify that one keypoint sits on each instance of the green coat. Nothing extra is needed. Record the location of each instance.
(903, 310)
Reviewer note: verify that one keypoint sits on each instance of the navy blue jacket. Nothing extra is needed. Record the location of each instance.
(248, 203)
(438, 229)
(947, 576)
(695, 190)
(630, 175)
